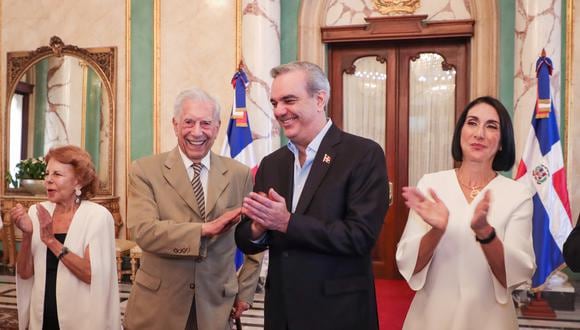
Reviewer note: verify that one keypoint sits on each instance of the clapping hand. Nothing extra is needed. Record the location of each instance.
(45, 220)
(21, 219)
(222, 224)
(479, 222)
(434, 211)
(269, 211)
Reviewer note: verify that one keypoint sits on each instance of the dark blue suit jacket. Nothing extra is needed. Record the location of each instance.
(320, 272)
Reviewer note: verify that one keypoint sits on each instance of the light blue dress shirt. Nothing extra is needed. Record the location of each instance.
(301, 172)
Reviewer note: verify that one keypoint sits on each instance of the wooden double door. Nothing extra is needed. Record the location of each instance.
(405, 95)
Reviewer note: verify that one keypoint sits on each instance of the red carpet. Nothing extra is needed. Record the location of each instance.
(393, 300)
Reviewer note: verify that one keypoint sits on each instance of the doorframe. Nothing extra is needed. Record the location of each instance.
(484, 43)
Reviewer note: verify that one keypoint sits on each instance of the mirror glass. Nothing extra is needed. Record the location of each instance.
(60, 95)
(58, 101)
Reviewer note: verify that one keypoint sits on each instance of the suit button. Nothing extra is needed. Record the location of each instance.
(285, 254)
(192, 286)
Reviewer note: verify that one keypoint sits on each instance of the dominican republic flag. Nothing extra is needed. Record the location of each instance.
(238, 142)
(542, 169)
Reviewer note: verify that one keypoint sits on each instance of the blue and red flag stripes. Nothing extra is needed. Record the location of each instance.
(542, 170)
(238, 142)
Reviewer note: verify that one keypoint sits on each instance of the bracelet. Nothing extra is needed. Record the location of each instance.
(63, 252)
(488, 239)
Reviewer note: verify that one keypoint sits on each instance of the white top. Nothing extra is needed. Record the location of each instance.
(457, 290)
(79, 305)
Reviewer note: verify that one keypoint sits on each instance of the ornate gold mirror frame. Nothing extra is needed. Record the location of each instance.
(103, 62)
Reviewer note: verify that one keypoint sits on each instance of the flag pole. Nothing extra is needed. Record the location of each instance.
(239, 64)
(539, 307)
(237, 320)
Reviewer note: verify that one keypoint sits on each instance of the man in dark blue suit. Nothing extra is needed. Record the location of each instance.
(318, 206)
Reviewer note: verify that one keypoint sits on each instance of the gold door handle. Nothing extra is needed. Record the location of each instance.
(390, 193)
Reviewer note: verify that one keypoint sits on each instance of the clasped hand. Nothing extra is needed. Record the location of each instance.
(268, 212)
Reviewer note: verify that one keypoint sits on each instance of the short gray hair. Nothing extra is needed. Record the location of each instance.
(316, 79)
(196, 95)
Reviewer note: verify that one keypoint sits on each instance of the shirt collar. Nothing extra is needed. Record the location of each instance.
(315, 143)
(205, 161)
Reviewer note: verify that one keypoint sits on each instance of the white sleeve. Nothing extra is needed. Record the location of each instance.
(518, 249)
(104, 290)
(408, 247)
(24, 286)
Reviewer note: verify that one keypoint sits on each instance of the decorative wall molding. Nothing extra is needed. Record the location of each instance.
(397, 28)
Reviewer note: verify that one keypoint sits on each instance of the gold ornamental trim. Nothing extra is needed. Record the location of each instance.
(103, 60)
(394, 7)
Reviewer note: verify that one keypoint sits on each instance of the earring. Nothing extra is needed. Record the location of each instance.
(78, 195)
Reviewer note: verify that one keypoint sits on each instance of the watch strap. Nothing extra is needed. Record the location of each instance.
(63, 252)
(488, 239)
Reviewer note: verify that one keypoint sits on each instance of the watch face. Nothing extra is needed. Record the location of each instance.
(63, 252)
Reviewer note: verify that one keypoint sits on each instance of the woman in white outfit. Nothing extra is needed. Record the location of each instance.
(468, 239)
(66, 275)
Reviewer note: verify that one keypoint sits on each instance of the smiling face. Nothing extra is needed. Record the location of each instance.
(299, 113)
(60, 181)
(196, 128)
(480, 135)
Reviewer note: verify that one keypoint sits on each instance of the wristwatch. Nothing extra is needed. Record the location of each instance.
(488, 239)
(63, 252)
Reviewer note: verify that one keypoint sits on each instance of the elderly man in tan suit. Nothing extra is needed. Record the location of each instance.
(183, 205)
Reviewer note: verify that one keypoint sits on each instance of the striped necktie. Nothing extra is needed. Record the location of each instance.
(198, 189)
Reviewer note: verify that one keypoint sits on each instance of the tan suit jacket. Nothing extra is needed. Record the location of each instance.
(177, 263)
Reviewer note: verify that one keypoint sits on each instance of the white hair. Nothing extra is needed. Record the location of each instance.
(195, 94)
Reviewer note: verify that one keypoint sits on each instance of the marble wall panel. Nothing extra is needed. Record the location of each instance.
(347, 12)
(197, 48)
(261, 52)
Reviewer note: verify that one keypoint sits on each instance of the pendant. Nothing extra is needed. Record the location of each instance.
(474, 192)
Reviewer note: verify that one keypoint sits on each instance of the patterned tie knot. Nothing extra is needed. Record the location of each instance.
(196, 169)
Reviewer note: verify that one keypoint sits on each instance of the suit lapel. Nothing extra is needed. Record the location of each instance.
(322, 162)
(287, 177)
(176, 175)
(216, 183)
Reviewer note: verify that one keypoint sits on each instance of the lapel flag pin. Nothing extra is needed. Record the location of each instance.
(326, 159)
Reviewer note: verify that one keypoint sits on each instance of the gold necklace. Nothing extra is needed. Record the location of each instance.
(475, 189)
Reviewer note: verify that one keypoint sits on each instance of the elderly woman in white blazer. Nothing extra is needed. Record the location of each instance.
(66, 275)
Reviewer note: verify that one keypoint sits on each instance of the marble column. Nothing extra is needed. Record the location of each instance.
(260, 53)
(538, 26)
(63, 110)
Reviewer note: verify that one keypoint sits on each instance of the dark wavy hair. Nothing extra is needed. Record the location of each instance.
(82, 165)
(506, 155)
